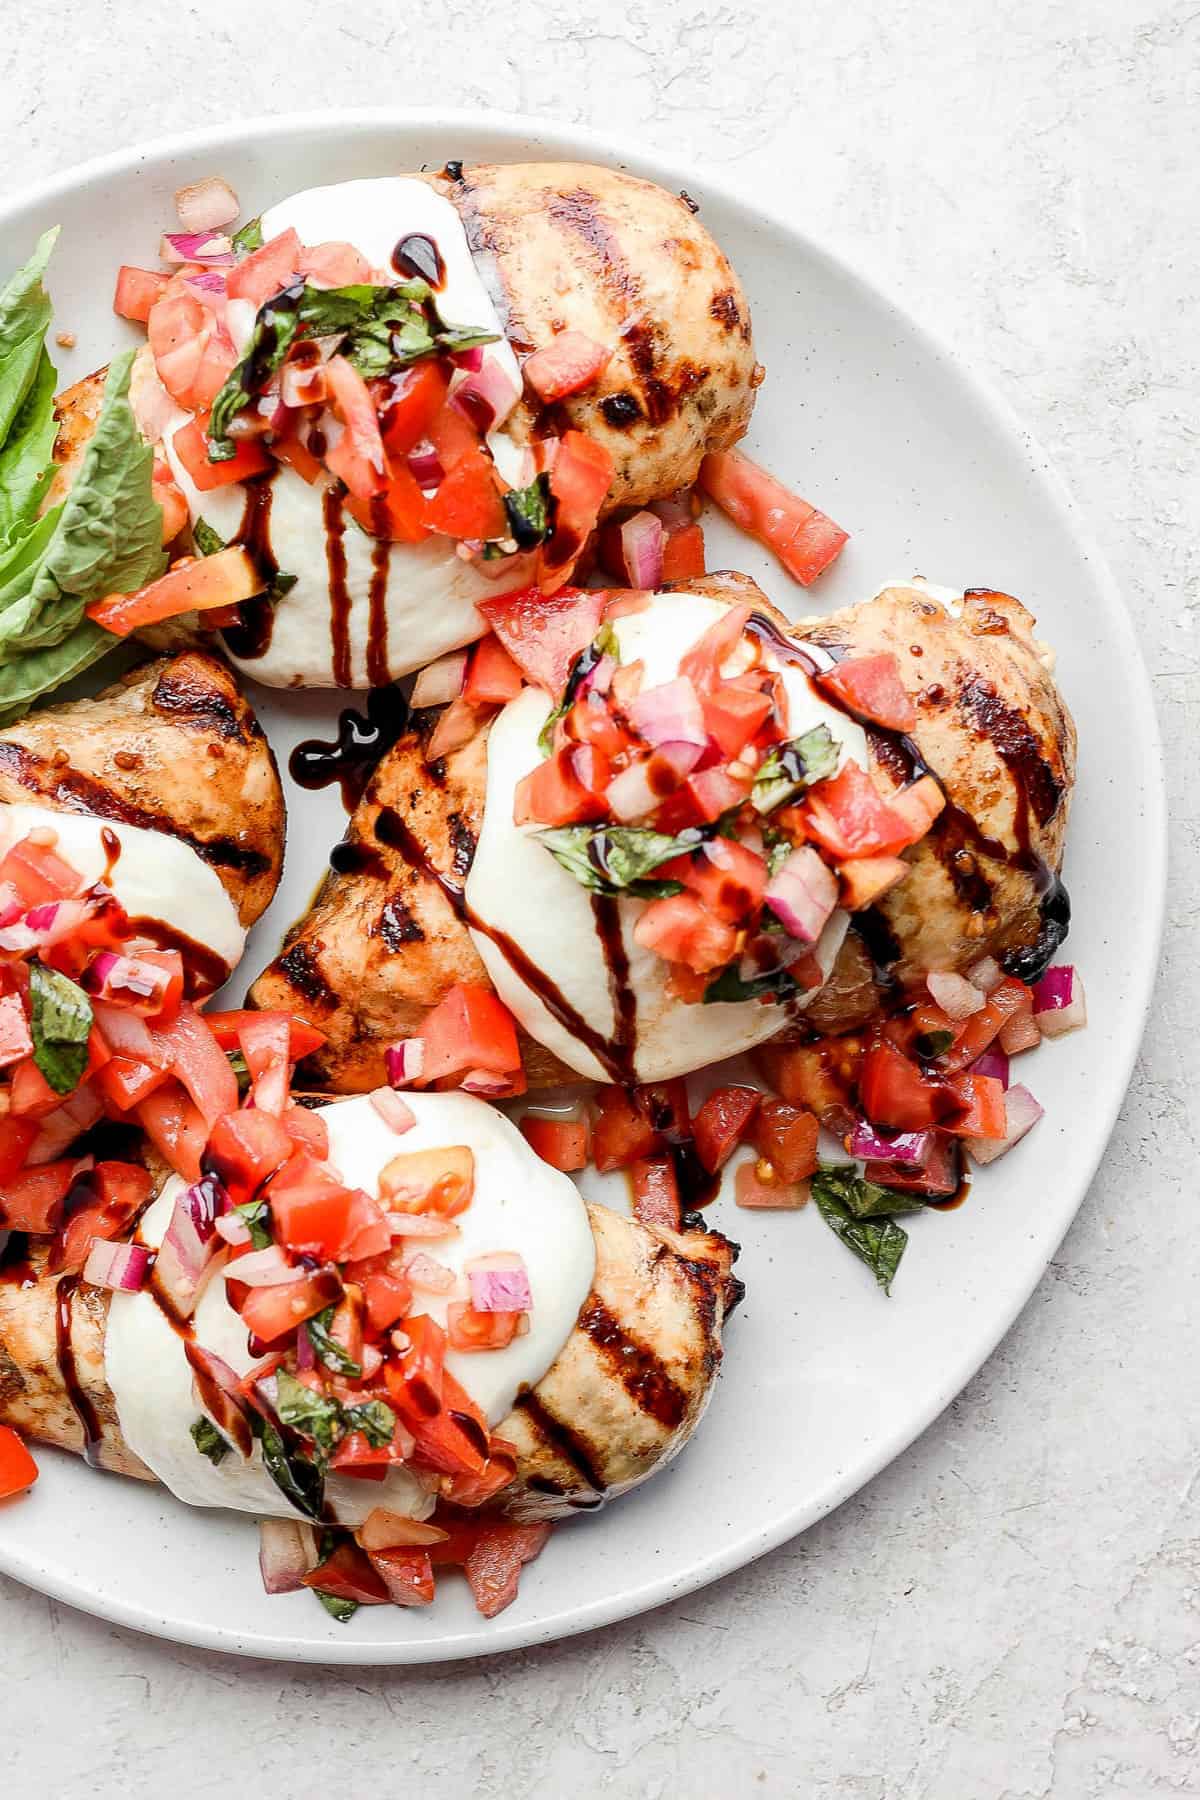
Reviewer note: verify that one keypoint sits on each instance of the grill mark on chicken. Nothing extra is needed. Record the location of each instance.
(397, 926)
(573, 1449)
(299, 966)
(194, 703)
(463, 840)
(487, 245)
(77, 792)
(639, 1370)
(725, 310)
(1016, 744)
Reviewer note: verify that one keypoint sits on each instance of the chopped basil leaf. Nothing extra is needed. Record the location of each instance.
(792, 766)
(249, 238)
(327, 1348)
(932, 1044)
(297, 1477)
(375, 1419)
(341, 1610)
(237, 1063)
(865, 1199)
(603, 644)
(316, 1416)
(729, 986)
(778, 849)
(60, 1023)
(617, 859)
(256, 1214)
(274, 331)
(209, 1441)
(208, 541)
(880, 1243)
(528, 511)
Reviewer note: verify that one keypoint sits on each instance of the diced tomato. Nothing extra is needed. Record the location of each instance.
(32, 1199)
(357, 457)
(334, 264)
(198, 1061)
(272, 1313)
(939, 1178)
(803, 539)
(120, 1190)
(665, 1104)
(396, 512)
(407, 1575)
(544, 634)
(681, 930)
(895, 1092)
(568, 788)
(756, 1187)
(722, 1123)
(357, 1456)
(919, 804)
(410, 403)
(349, 1574)
(467, 503)
(417, 1384)
(469, 1330)
(786, 1137)
(438, 1181)
(191, 585)
(848, 817)
(656, 1192)
(563, 1143)
(865, 879)
(590, 722)
(683, 551)
(265, 1040)
(18, 1471)
(702, 799)
(175, 1127)
(316, 1215)
(726, 876)
(30, 1095)
(16, 1135)
(246, 1149)
(1011, 999)
(307, 1129)
(822, 1077)
(736, 711)
(703, 662)
(566, 365)
(982, 1098)
(299, 457)
(622, 1132)
(266, 271)
(455, 1440)
(38, 874)
(137, 290)
(163, 968)
(493, 1567)
(579, 482)
(179, 327)
(15, 1040)
(469, 1029)
(492, 676)
(387, 1292)
(122, 1082)
(871, 687)
(225, 1027)
(171, 499)
(496, 1474)
(191, 446)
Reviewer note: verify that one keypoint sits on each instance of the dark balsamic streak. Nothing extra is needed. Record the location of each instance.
(361, 741)
(250, 638)
(333, 509)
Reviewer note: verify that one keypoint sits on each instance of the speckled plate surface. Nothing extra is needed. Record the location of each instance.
(825, 1381)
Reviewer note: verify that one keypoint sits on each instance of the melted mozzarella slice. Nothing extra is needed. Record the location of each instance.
(517, 889)
(520, 1204)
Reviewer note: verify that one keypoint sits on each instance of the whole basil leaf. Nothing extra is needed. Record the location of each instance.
(880, 1243)
(865, 1199)
(375, 1419)
(789, 767)
(617, 859)
(25, 314)
(61, 1018)
(317, 1416)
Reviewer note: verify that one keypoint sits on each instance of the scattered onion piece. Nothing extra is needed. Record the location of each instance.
(393, 1110)
(121, 1267)
(206, 205)
(287, 1551)
(441, 681)
(1022, 1113)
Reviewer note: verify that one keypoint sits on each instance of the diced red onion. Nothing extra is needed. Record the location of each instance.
(196, 246)
(669, 714)
(598, 679)
(263, 1268)
(803, 894)
(206, 205)
(404, 1061)
(911, 1149)
(128, 981)
(642, 540)
(121, 1267)
(127, 1034)
(302, 385)
(993, 1062)
(1058, 1001)
(957, 998)
(425, 467)
(671, 764)
(371, 1360)
(1021, 1113)
(234, 1229)
(986, 974)
(218, 1391)
(1019, 1033)
(190, 1244)
(209, 281)
(59, 1129)
(429, 1275)
(488, 395)
(421, 1225)
(41, 918)
(287, 1552)
(630, 795)
(393, 1110)
(471, 359)
(499, 1283)
(440, 681)
(486, 1084)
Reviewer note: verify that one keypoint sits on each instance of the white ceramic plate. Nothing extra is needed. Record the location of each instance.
(825, 1380)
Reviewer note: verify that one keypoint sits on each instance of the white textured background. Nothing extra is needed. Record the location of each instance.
(1012, 1611)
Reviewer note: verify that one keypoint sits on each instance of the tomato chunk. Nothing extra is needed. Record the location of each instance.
(786, 1137)
(656, 1192)
(804, 540)
(545, 633)
(191, 446)
(469, 1029)
(492, 676)
(895, 1092)
(137, 290)
(681, 930)
(349, 1574)
(566, 365)
(871, 686)
(410, 403)
(225, 1027)
(848, 817)
(622, 1132)
(469, 1330)
(18, 1471)
(563, 1143)
(722, 1122)
(193, 584)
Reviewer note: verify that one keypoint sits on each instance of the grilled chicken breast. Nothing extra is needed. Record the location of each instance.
(386, 938)
(568, 246)
(624, 1395)
(173, 748)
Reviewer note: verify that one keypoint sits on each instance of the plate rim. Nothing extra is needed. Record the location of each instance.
(869, 276)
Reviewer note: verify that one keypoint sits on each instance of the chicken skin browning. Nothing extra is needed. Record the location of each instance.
(623, 1396)
(173, 748)
(385, 942)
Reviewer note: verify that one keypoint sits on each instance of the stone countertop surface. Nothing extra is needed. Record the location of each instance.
(1012, 1610)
